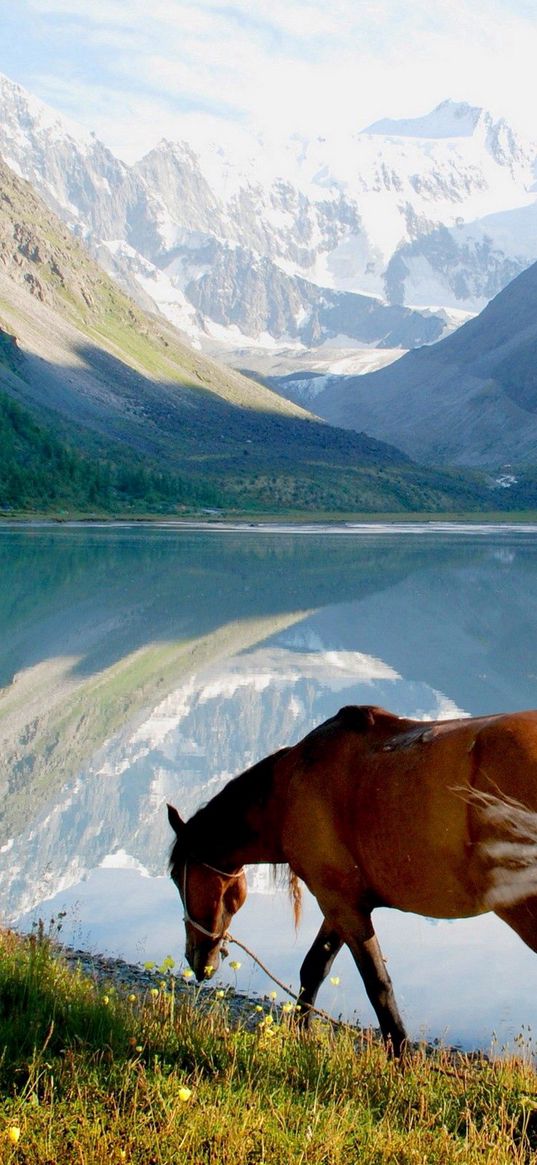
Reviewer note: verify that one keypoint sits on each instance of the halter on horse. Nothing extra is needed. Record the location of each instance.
(371, 810)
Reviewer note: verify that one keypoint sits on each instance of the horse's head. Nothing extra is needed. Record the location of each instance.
(210, 898)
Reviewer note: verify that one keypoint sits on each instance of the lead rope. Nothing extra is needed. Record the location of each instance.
(307, 1006)
(340, 1023)
(227, 937)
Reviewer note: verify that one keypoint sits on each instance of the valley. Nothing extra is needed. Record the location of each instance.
(182, 329)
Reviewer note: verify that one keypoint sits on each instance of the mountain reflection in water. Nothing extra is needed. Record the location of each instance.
(143, 665)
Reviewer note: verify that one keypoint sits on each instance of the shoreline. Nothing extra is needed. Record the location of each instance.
(437, 524)
(113, 972)
(116, 973)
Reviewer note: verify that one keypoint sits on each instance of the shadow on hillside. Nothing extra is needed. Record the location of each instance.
(173, 423)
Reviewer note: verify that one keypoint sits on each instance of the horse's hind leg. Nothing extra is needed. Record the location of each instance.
(368, 957)
(522, 918)
(315, 968)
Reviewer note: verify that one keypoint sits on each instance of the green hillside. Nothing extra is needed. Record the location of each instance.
(39, 473)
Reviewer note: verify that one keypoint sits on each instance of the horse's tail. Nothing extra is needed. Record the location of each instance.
(283, 874)
(295, 894)
(507, 848)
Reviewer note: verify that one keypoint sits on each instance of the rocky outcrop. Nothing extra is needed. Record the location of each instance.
(258, 298)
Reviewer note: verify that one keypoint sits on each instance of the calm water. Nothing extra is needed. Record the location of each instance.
(144, 665)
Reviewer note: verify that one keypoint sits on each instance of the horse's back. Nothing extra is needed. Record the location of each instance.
(368, 800)
(391, 798)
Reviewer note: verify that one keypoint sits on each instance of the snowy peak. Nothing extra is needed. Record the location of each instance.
(186, 201)
(450, 119)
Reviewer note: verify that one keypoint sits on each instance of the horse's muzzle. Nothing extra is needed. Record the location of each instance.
(204, 960)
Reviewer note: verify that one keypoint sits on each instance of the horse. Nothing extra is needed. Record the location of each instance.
(371, 809)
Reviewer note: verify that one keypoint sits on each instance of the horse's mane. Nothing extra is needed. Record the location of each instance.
(208, 832)
(224, 819)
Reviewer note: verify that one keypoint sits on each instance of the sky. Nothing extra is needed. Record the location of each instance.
(135, 71)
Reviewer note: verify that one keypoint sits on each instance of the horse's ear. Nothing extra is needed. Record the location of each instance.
(175, 821)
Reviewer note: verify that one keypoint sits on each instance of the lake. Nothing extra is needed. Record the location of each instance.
(145, 664)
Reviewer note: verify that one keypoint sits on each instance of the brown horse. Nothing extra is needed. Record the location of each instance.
(438, 818)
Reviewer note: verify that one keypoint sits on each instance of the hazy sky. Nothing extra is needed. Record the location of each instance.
(138, 70)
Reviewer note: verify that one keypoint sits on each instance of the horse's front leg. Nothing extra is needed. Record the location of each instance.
(315, 968)
(368, 957)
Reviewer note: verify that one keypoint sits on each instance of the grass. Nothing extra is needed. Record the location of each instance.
(92, 1075)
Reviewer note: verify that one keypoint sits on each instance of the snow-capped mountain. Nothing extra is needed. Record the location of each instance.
(328, 243)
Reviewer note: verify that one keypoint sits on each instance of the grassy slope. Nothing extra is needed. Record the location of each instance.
(42, 254)
(41, 473)
(93, 1074)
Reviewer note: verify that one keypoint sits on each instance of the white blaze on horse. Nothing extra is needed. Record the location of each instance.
(437, 818)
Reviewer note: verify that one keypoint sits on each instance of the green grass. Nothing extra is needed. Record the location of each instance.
(92, 1075)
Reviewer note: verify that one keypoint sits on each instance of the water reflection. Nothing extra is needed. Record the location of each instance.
(143, 665)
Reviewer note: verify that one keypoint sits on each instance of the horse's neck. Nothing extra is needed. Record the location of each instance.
(241, 825)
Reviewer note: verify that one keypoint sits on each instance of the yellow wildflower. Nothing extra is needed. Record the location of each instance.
(154, 992)
(106, 1000)
(287, 1006)
(335, 980)
(132, 999)
(184, 1093)
(235, 965)
(273, 994)
(187, 973)
(13, 1134)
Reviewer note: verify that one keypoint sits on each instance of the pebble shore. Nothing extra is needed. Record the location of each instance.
(109, 971)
